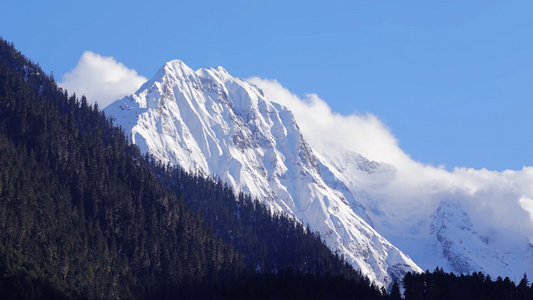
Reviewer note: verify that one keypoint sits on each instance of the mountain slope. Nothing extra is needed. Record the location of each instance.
(402, 197)
(469, 248)
(433, 231)
(209, 122)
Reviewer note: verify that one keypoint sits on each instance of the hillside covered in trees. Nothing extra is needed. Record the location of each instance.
(80, 211)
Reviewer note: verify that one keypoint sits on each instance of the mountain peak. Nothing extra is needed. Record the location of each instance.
(177, 68)
(210, 122)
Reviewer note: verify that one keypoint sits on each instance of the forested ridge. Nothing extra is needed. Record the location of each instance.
(81, 212)
(83, 215)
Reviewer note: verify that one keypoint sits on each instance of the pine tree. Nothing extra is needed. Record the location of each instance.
(395, 291)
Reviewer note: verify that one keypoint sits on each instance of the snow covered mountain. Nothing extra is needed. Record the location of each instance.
(210, 122)
(467, 248)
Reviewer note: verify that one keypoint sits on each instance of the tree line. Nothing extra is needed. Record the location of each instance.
(441, 285)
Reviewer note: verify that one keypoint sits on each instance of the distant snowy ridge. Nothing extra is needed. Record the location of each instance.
(211, 122)
(437, 231)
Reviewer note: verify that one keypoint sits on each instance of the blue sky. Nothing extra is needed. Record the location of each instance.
(453, 80)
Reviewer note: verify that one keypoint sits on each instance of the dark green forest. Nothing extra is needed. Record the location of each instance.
(84, 215)
(442, 285)
(81, 213)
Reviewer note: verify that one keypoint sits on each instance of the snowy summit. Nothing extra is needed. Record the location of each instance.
(210, 122)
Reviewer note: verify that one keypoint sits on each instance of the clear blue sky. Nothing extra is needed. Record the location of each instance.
(452, 79)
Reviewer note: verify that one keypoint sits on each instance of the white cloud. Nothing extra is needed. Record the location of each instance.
(491, 197)
(362, 133)
(101, 79)
(527, 204)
